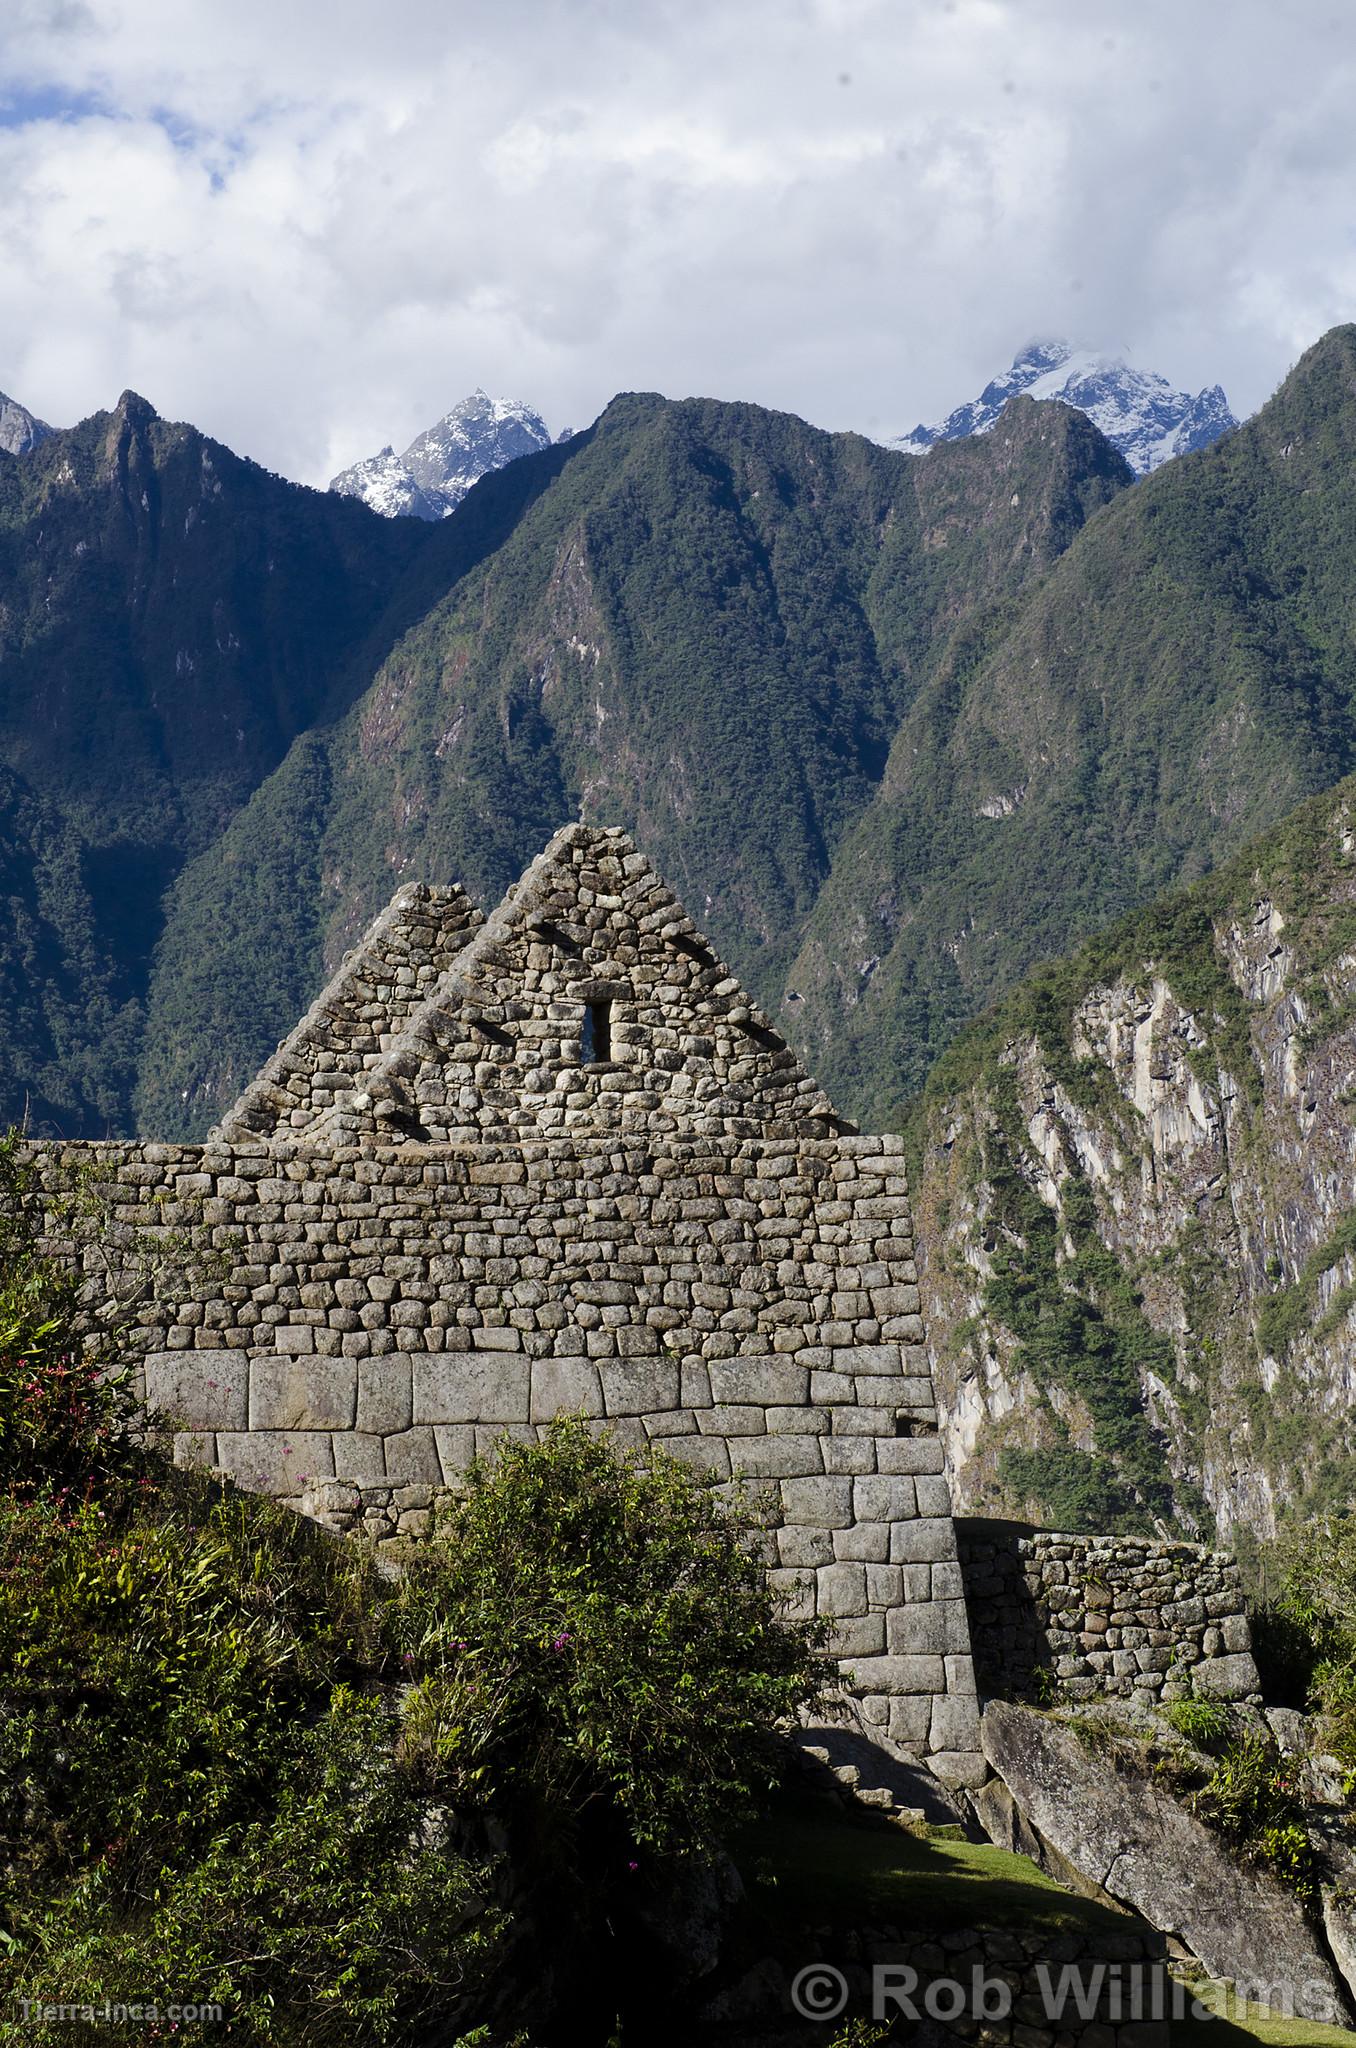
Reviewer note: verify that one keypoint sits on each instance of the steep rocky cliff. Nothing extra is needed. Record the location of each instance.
(1137, 1209)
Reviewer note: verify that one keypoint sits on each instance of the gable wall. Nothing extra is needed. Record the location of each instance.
(391, 1311)
(497, 1048)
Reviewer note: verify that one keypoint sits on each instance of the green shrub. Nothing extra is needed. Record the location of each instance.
(597, 1635)
(1254, 1800)
(1319, 1597)
(1203, 1722)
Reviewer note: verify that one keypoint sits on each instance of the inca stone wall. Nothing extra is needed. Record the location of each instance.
(1082, 1616)
(554, 1161)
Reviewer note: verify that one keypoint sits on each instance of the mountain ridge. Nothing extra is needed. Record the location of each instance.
(433, 475)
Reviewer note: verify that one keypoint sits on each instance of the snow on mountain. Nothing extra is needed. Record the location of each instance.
(440, 465)
(20, 429)
(1137, 410)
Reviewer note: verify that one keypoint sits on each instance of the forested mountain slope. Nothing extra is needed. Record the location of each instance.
(896, 727)
(709, 629)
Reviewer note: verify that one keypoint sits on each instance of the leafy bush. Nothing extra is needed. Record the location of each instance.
(1253, 1799)
(597, 1636)
(1319, 1598)
(1202, 1721)
(238, 1766)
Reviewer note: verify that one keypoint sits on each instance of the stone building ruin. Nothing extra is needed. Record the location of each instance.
(556, 1160)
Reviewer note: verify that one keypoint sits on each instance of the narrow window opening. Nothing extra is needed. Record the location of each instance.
(596, 1039)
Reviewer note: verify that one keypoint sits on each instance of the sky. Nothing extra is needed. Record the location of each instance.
(310, 226)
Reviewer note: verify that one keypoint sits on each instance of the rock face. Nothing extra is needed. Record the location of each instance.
(20, 429)
(1160, 1164)
(1137, 410)
(1139, 1846)
(440, 465)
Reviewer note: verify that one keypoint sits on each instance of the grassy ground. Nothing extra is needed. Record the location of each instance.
(809, 1863)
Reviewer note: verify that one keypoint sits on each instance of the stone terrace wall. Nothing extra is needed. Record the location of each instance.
(1123, 1615)
(393, 1311)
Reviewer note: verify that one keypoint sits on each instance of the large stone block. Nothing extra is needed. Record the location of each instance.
(457, 1386)
(358, 1456)
(199, 1390)
(931, 1540)
(819, 1503)
(776, 1457)
(840, 1590)
(303, 1393)
(762, 1382)
(384, 1394)
(884, 1499)
(932, 1628)
(275, 1461)
(412, 1459)
(565, 1386)
(638, 1386)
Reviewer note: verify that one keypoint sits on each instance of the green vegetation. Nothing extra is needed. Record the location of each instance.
(1253, 1797)
(239, 1765)
(1285, 1314)
(1201, 1720)
(1318, 1599)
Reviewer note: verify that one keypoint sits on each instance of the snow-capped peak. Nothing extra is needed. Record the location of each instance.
(440, 465)
(1137, 410)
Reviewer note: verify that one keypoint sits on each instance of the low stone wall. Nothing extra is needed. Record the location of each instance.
(1075, 1617)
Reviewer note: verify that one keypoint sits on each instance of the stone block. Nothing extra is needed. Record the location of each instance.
(840, 1590)
(776, 1457)
(884, 1499)
(384, 1394)
(909, 1721)
(865, 1543)
(859, 1635)
(709, 1454)
(564, 1386)
(490, 1338)
(873, 1360)
(799, 1547)
(897, 1676)
(303, 1393)
(955, 1723)
(358, 1456)
(930, 1540)
(456, 1444)
(935, 1628)
(199, 1390)
(761, 1381)
(275, 1461)
(909, 1454)
(412, 1459)
(293, 1340)
(456, 1386)
(1227, 1678)
(199, 1447)
(934, 1495)
(820, 1503)
(638, 1386)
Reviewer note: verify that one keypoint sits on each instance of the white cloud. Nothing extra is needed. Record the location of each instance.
(309, 227)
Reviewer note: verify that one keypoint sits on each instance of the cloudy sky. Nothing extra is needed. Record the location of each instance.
(310, 225)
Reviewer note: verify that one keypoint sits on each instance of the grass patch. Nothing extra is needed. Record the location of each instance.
(804, 1865)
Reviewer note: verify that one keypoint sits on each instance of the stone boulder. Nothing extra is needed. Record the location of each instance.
(1128, 1836)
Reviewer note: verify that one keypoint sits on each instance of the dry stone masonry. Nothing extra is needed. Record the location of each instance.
(1083, 1617)
(556, 1160)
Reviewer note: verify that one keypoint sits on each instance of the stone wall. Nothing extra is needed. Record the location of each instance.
(391, 1311)
(1079, 1616)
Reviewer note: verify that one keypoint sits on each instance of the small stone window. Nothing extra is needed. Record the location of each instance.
(595, 1041)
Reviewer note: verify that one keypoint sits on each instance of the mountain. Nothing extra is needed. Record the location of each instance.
(899, 728)
(1137, 410)
(709, 627)
(171, 618)
(440, 465)
(20, 429)
(1134, 1194)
